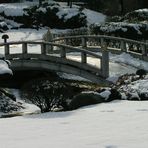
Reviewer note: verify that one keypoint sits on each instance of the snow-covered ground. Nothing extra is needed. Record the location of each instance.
(119, 124)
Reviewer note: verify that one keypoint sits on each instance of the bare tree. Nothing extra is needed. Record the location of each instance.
(40, 2)
(69, 3)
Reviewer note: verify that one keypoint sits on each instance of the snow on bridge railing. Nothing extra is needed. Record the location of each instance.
(48, 48)
(114, 44)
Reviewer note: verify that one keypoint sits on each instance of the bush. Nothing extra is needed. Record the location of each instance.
(48, 95)
(47, 15)
(121, 29)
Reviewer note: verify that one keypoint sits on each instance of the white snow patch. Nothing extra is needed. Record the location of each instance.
(105, 94)
(129, 60)
(4, 69)
(94, 17)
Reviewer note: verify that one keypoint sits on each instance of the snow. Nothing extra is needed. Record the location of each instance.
(142, 10)
(67, 13)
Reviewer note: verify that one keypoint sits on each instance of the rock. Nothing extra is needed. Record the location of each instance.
(143, 96)
(84, 99)
(115, 95)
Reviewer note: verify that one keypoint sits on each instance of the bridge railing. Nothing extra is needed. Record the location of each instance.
(114, 44)
(24, 52)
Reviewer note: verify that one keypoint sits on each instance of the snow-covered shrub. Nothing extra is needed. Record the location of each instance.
(121, 29)
(54, 16)
(140, 15)
(3, 26)
(7, 104)
(133, 87)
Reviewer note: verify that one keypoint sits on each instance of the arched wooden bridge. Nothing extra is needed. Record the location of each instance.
(54, 56)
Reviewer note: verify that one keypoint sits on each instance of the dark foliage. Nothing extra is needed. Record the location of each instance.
(84, 99)
(34, 17)
(141, 73)
(120, 29)
(49, 95)
(115, 95)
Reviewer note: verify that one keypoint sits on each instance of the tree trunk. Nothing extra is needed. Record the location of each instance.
(122, 6)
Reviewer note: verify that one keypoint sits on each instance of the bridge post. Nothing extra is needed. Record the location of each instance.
(123, 46)
(24, 48)
(7, 49)
(43, 48)
(105, 62)
(63, 52)
(144, 51)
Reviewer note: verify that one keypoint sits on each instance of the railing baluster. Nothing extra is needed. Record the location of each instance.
(102, 41)
(105, 62)
(7, 49)
(66, 42)
(43, 48)
(123, 46)
(83, 57)
(24, 48)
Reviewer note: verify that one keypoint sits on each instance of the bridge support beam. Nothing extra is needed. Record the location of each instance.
(24, 48)
(7, 49)
(83, 57)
